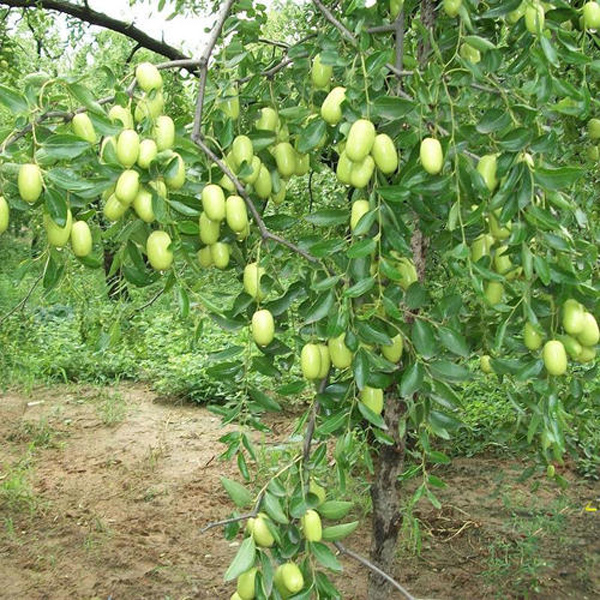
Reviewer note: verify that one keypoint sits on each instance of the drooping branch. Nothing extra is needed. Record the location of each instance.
(374, 568)
(88, 15)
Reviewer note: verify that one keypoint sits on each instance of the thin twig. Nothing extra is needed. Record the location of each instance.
(367, 563)
(275, 43)
(23, 302)
(243, 517)
(382, 28)
(264, 231)
(310, 429)
(204, 58)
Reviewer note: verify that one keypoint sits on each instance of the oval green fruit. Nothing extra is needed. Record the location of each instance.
(359, 209)
(205, 259)
(255, 166)
(325, 361)
(252, 276)
(122, 115)
(128, 186)
(108, 150)
(572, 346)
(310, 361)
(555, 357)
(4, 214)
(128, 147)
(340, 354)
(470, 54)
(362, 172)
(158, 185)
(516, 14)
(587, 354)
(242, 150)
(263, 327)
(58, 236)
(535, 18)
(486, 167)
(394, 351)
(396, 7)
(159, 254)
(209, 230)
(164, 133)
(263, 186)
(279, 197)
(230, 104)
(589, 334)
(594, 129)
(302, 164)
(142, 204)
(291, 577)
(246, 584)
(148, 152)
(531, 337)
(493, 292)
(481, 247)
(113, 209)
(432, 157)
(384, 154)
(149, 107)
(485, 364)
(236, 214)
(372, 398)
(81, 239)
(408, 272)
(148, 77)
(502, 262)
(285, 157)
(262, 534)
(331, 109)
(220, 255)
(591, 15)
(268, 120)
(499, 232)
(451, 7)
(312, 527)
(213, 202)
(573, 317)
(83, 128)
(175, 178)
(344, 168)
(320, 74)
(318, 491)
(361, 138)
(30, 182)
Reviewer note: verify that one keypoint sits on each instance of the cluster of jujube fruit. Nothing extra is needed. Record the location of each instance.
(143, 155)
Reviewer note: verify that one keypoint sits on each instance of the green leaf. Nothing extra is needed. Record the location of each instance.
(320, 308)
(549, 51)
(423, 337)
(390, 108)
(449, 371)
(339, 532)
(360, 288)
(325, 556)
(237, 492)
(328, 217)
(64, 146)
(479, 43)
(453, 341)
(86, 97)
(556, 179)
(335, 509)
(13, 100)
(244, 560)
(273, 508)
(493, 120)
(264, 400)
(412, 379)
(372, 417)
(362, 248)
(311, 136)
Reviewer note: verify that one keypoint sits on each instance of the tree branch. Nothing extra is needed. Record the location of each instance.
(243, 517)
(208, 50)
(367, 563)
(85, 13)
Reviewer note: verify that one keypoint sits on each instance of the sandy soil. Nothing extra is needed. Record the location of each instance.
(103, 493)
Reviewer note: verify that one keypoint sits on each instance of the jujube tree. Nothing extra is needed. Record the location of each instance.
(462, 225)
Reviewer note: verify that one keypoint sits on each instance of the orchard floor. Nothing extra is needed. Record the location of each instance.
(103, 492)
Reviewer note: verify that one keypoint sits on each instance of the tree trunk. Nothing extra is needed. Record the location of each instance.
(385, 494)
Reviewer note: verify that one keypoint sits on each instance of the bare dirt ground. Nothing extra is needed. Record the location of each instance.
(103, 492)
